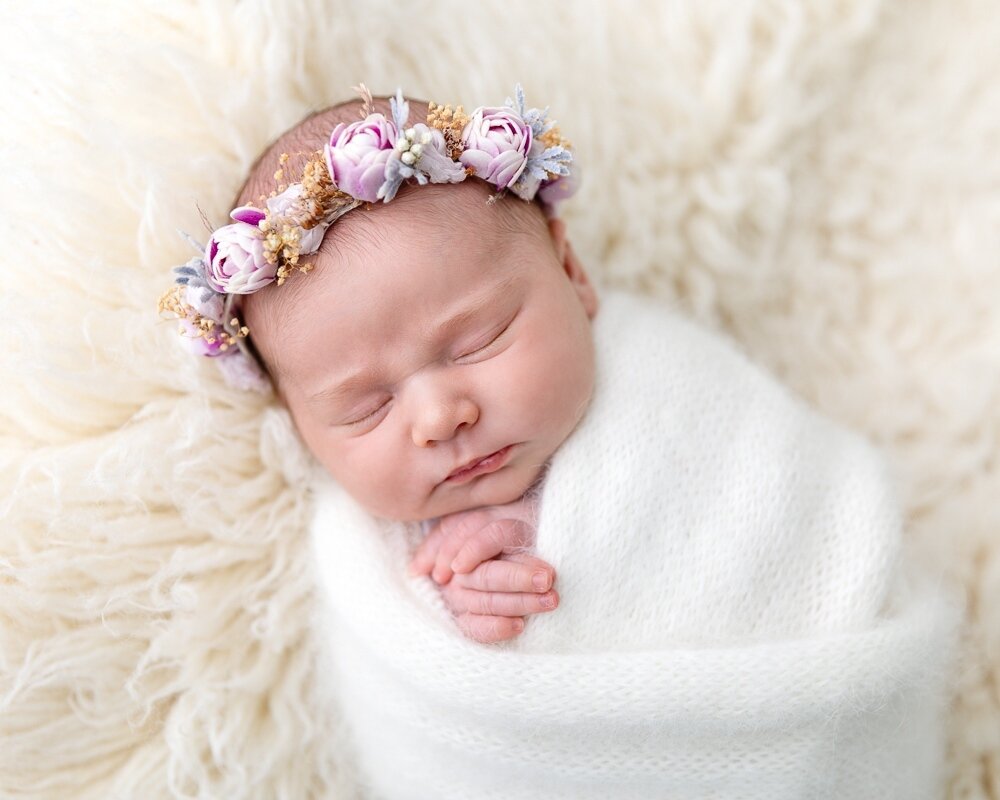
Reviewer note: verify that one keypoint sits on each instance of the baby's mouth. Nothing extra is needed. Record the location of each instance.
(483, 465)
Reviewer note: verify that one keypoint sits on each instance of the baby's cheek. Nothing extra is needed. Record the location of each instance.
(515, 394)
(364, 471)
(552, 375)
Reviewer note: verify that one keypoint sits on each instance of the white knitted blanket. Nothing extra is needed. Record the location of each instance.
(737, 617)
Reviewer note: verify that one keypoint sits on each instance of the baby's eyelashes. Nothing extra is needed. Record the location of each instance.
(492, 340)
(368, 417)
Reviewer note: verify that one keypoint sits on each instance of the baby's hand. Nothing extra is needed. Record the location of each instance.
(488, 582)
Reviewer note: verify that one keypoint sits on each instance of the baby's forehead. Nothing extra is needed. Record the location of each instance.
(423, 228)
(425, 225)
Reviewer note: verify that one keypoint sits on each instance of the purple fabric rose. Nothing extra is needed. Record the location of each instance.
(496, 142)
(238, 369)
(199, 345)
(235, 259)
(248, 214)
(356, 155)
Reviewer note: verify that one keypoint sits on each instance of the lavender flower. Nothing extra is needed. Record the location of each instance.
(356, 155)
(496, 144)
(235, 258)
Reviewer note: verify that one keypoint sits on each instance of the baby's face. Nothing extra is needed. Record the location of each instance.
(445, 342)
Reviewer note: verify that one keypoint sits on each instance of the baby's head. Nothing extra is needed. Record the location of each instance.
(434, 330)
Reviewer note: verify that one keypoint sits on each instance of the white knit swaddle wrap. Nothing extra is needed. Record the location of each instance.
(698, 506)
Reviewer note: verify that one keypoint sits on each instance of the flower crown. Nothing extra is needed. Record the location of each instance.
(509, 146)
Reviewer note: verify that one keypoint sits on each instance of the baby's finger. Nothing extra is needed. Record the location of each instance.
(461, 531)
(502, 575)
(460, 525)
(489, 630)
(503, 604)
(423, 558)
(500, 536)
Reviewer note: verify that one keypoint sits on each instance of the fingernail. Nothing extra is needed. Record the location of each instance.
(518, 625)
(540, 580)
(547, 601)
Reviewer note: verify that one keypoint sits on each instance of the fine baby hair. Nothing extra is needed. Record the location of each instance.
(511, 147)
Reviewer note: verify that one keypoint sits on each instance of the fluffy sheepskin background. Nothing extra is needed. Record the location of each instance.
(818, 180)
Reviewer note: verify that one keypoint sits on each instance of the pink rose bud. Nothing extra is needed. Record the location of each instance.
(248, 214)
(496, 142)
(235, 259)
(198, 344)
(356, 155)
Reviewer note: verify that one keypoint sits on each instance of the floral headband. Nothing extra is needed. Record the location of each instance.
(508, 146)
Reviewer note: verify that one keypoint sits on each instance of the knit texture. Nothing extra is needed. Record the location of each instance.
(738, 617)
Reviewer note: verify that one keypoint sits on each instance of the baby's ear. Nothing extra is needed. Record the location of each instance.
(557, 230)
(572, 267)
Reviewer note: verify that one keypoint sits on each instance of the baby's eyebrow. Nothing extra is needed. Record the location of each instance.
(364, 378)
(358, 380)
(490, 297)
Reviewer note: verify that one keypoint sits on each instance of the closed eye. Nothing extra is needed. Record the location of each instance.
(491, 341)
(368, 417)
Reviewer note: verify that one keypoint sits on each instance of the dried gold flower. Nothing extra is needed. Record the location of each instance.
(553, 138)
(451, 122)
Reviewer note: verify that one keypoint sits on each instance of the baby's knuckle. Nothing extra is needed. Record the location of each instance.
(484, 637)
(490, 629)
(491, 604)
(495, 533)
(492, 575)
(521, 534)
(470, 628)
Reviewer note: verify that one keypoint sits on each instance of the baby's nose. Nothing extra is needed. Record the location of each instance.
(441, 420)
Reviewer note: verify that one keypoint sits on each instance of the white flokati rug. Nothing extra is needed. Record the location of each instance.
(818, 180)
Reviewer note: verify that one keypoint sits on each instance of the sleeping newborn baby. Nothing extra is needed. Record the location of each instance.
(439, 332)
(734, 617)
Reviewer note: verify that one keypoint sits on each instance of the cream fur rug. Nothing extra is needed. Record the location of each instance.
(818, 179)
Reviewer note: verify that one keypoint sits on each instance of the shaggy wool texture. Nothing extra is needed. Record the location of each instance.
(817, 180)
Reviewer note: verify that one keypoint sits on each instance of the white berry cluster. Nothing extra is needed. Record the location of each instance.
(410, 150)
